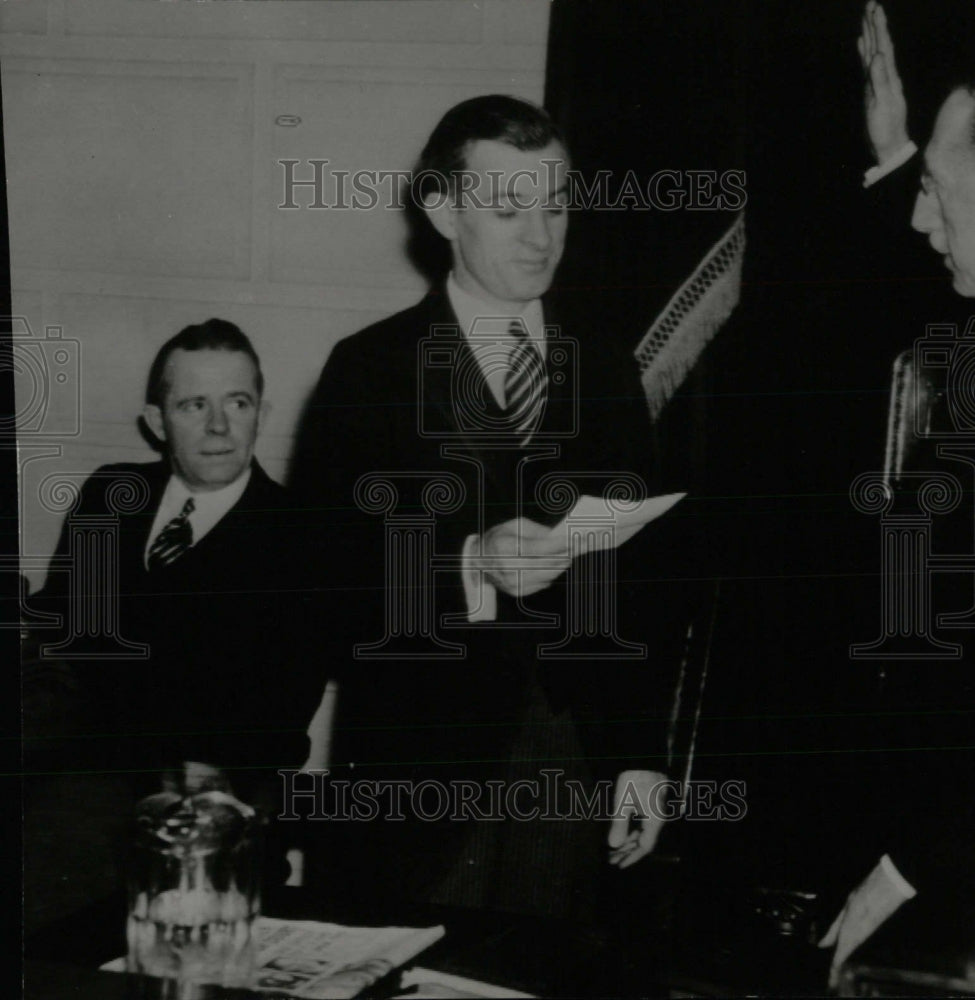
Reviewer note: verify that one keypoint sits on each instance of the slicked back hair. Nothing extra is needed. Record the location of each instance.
(213, 335)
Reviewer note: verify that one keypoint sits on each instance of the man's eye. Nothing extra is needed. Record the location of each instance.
(240, 404)
(505, 213)
(191, 406)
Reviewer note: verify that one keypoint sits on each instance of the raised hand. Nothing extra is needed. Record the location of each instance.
(884, 102)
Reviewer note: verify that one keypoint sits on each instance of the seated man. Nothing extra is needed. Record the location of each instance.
(206, 578)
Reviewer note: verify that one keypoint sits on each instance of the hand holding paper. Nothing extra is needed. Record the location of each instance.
(595, 523)
(521, 557)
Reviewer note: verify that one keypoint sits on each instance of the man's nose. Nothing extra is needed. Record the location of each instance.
(217, 422)
(536, 229)
(925, 218)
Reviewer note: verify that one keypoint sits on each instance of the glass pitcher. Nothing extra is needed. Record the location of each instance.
(194, 889)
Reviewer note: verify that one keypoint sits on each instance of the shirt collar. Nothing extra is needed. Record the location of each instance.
(209, 508)
(468, 308)
(209, 501)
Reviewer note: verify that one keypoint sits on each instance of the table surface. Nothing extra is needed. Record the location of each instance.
(545, 956)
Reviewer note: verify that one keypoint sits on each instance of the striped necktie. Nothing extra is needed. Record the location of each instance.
(175, 538)
(525, 385)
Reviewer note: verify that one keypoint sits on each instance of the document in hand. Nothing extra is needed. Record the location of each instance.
(595, 523)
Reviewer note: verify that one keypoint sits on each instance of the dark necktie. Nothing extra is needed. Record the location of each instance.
(175, 538)
(525, 385)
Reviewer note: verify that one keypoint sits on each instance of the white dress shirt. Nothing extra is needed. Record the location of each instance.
(489, 333)
(210, 507)
(490, 339)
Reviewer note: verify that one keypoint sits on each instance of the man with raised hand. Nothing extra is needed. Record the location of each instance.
(931, 845)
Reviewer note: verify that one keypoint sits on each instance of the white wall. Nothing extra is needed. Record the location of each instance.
(143, 187)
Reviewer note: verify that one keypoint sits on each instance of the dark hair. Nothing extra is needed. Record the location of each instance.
(213, 335)
(495, 116)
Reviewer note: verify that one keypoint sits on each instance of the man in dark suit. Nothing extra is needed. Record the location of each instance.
(207, 575)
(489, 393)
(923, 718)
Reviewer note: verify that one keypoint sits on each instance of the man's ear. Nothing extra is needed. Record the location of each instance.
(153, 417)
(439, 209)
(263, 409)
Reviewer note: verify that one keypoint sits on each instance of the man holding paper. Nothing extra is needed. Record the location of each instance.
(478, 417)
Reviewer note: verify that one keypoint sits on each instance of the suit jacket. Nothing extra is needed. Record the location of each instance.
(228, 679)
(388, 402)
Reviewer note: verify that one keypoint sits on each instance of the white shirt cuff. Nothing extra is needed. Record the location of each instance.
(480, 594)
(903, 886)
(883, 169)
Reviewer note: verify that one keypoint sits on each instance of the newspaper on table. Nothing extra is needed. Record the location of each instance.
(319, 961)
(328, 961)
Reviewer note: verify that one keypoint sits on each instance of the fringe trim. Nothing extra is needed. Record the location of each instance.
(697, 310)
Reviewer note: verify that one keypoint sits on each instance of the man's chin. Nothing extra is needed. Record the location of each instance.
(964, 284)
(215, 477)
(532, 286)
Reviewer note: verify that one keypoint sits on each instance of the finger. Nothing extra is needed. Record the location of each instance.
(831, 936)
(834, 976)
(867, 52)
(887, 49)
(872, 30)
(860, 50)
(650, 829)
(532, 583)
(532, 530)
(530, 570)
(551, 543)
(619, 829)
(622, 853)
(619, 856)
(884, 42)
(634, 856)
(878, 75)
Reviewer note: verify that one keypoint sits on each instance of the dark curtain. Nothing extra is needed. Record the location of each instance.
(644, 87)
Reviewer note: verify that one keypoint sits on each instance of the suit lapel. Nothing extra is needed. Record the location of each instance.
(438, 389)
(242, 517)
(136, 527)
